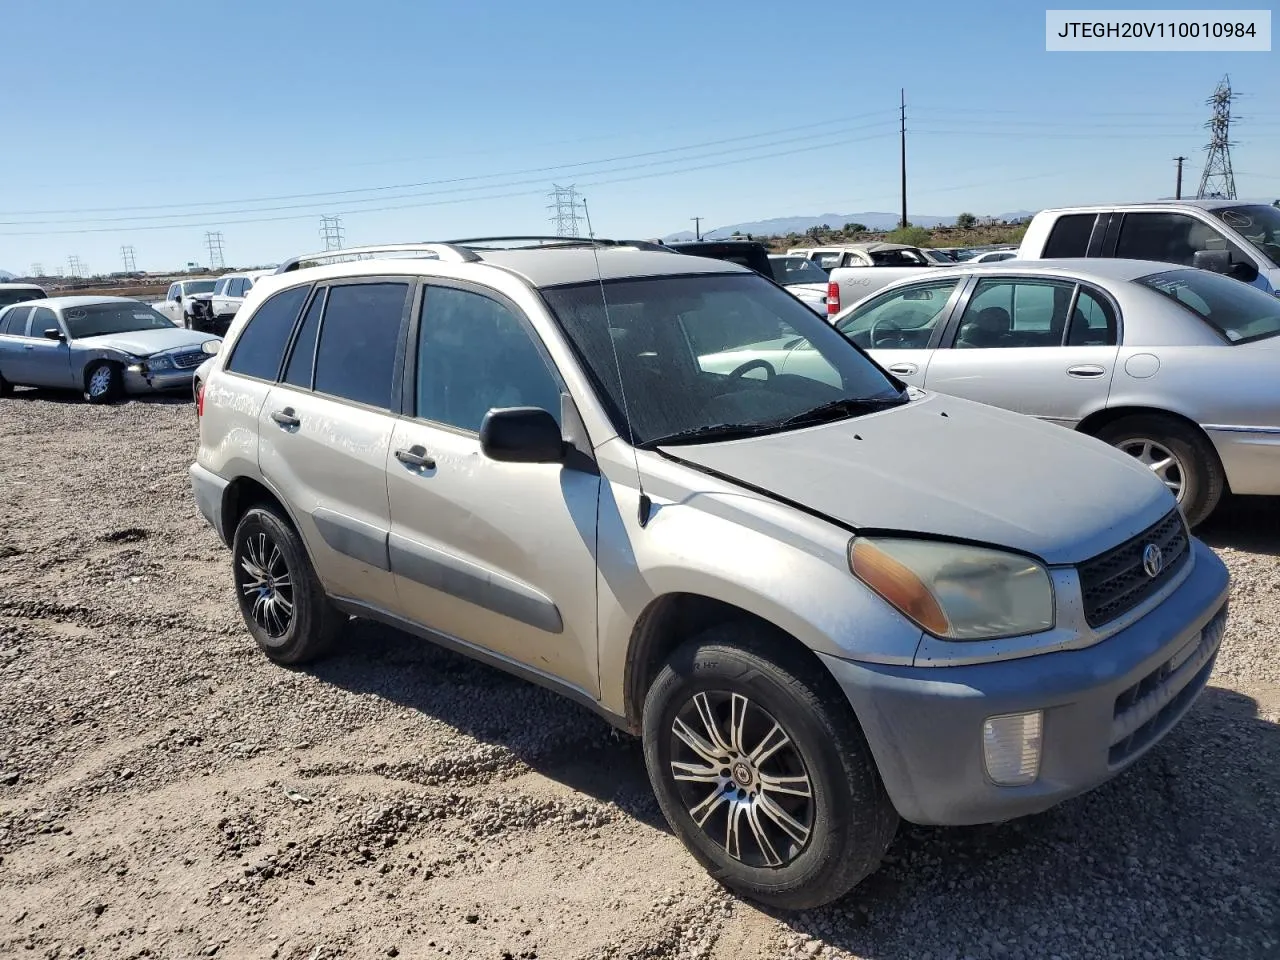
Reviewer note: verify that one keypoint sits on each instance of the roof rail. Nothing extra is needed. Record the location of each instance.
(568, 242)
(442, 251)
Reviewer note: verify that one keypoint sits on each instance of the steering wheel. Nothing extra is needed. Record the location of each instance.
(750, 365)
(891, 325)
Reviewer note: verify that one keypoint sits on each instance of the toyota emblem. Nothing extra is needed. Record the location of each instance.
(1152, 560)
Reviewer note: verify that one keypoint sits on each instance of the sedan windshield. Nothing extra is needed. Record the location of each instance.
(1258, 224)
(1240, 312)
(710, 357)
(792, 270)
(100, 319)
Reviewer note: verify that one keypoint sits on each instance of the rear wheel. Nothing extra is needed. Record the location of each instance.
(104, 383)
(280, 597)
(762, 771)
(1180, 455)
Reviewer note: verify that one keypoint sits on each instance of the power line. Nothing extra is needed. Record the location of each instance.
(565, 204)
(1217, 179)
(213, 243)
(130, 264)
(331, 232)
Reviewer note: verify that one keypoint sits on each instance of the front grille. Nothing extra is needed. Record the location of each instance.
(185, 361)
(1146, 710)
(1115, 582)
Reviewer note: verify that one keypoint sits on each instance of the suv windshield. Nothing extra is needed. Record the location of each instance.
(9, 297)
(703, 357)
(199, 286)
(792, 270)
(99, 319)
(1238, 311)
(1258, 224)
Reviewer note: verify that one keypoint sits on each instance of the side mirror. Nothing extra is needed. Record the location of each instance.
(211, 347)
(1243, 270)
(52, 334)
(521, 435)
(1219, 261)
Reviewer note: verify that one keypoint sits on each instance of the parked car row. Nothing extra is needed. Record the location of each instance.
(208, 305)
(825, 597)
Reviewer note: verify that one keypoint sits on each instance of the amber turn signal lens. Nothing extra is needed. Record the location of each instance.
(898, 585)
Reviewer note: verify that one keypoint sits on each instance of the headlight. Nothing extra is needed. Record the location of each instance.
(954, 591)
(159, 363)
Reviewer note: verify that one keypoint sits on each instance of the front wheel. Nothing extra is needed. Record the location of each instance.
(280, 597)
(760, 767)
(1180, 455)
(104, 384)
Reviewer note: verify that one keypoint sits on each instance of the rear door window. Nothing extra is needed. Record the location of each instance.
(359, 337)
(259, 349)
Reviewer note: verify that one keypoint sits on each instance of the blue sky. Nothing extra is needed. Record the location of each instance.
(152, 122)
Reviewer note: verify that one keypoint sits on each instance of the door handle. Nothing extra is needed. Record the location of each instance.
(1086, 370)
(285, 418)
(905, 369)
(416, 457)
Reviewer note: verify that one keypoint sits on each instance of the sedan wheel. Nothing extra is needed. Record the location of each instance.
(1159, 460)
(1179, 454)
(105, 383)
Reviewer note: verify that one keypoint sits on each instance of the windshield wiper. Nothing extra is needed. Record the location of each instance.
(842, 409)
(709, 432)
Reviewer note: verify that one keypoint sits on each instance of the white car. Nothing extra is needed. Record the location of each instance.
(178, 304)
(994, 256)
(803, 279)
(229, 294)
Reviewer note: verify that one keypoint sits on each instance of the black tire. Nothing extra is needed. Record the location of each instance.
(848, 818)
(1198, 469)
(104, 383)
(267, 543)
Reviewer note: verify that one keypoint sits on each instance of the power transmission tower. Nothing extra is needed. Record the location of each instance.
(565, 203)
(75, 267)
(213, 242)
(37, 269)
(1217, 179)
(1177, 190)
(331, 232)
(126, 254)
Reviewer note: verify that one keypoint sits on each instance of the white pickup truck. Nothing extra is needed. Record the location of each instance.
(1233, 237)
(859, 269)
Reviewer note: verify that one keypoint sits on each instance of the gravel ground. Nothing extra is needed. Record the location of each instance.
(166, 792)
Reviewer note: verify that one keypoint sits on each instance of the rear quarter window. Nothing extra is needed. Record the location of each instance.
(259, 349)
(1069, 236)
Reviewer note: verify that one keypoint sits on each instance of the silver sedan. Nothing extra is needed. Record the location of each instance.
(103, 346)
(1178, 367)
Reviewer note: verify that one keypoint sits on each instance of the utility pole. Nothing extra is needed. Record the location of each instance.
(331, 232)
(697, 227)
(1218, 180)
(213, 242)
(902, 107)
(565, 204)
(130, 263)
(1177, 190)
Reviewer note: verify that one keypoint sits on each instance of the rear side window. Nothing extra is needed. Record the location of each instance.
(15, 322)
(1069, 236)
(355, 359)
(260, 347)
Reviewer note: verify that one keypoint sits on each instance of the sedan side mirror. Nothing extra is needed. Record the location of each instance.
(52, 334)
(1243, 270)
(521, 435)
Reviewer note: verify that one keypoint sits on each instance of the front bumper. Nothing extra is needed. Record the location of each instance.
(1250, 458)
(1104, 707)
(138, 379)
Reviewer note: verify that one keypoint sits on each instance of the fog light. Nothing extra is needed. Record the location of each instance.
(1011, 747)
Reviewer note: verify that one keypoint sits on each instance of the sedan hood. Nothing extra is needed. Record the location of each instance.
(953, 468)
(142, 343)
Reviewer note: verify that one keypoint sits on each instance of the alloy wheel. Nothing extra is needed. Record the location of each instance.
(742, 779)
(100, 382)
(266, 585)
(1160, 460)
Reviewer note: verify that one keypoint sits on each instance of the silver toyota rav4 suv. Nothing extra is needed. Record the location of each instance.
(823, 608)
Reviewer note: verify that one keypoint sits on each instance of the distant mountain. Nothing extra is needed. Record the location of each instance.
(780, 226)
(5, 276)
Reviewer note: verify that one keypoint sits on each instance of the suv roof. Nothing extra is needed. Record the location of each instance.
(553, 261)
(1207, 204)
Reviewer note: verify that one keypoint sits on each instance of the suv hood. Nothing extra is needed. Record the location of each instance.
(953, 468)
(142, 343)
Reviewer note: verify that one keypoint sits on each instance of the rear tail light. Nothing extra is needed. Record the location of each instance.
(199, 399)
(833, 298)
